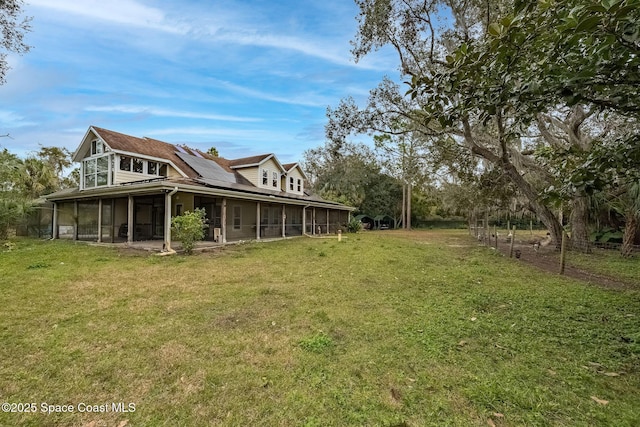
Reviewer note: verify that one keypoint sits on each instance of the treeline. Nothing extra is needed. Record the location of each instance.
(532, 103)
(23, 181)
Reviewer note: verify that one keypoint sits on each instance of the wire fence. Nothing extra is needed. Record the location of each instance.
(537, 247)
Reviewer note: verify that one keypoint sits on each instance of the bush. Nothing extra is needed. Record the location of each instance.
(354, 226)
(189, 228)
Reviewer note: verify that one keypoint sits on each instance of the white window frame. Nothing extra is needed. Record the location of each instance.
(274, 179)
(265, 177)
(299, 185)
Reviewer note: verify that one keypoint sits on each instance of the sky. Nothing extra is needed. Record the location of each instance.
(248, 77)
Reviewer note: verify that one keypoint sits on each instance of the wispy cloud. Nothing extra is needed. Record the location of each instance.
(153, 111)
(123, 12)
(308, 100)
(10, 119)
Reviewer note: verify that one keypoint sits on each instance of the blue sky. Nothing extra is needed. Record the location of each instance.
(248, 77)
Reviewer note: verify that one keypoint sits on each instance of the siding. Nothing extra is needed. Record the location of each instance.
(251, 174)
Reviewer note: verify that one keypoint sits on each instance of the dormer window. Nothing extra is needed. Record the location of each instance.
(152, 168)
(138, 165)
(274, 180)
(125, 163)
(291, 183)
(265, 177)
(299, 185)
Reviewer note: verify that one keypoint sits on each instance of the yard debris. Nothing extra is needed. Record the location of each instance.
(473, 319)
(462, 343)
(498, 415)
(123, 423)
(490, 422)
(600, 401)
(611, 374)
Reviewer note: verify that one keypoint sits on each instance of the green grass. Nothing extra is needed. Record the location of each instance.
(609, 263)
(384, 329)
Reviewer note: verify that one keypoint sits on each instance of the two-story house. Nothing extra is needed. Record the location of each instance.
(130, 188)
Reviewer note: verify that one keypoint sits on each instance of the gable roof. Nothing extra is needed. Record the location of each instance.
(253, 161)
(145, 146)
(288, 167)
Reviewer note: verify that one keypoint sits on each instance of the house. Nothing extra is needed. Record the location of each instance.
(130, 188)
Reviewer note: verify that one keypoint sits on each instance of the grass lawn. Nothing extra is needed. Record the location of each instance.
(382, 329)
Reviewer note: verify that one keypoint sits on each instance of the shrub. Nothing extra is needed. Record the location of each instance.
(189, 228)
(354, 226)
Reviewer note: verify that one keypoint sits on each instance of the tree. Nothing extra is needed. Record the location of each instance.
(213, 151)
(351, 174)
(13, 205)
(13, 30)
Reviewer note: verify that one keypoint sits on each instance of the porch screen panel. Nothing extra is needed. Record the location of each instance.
(66, 223)
(88, 220)
(293, 223)
(107, 221)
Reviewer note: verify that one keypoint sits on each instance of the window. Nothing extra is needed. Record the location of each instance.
(95, 172)
(179, 209)
(138, 165)
(291, 183)
(163, 170)
(125, 163)
(299, 185)
(152, 168)
(265, 177)
(237, 217)
(274, 180)
(96, 147)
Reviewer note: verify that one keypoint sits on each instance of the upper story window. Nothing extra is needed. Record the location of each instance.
(97, 147)
(299, 185)
(265, 177)
(274, 180)
(138, 165)
(125, 163)
(152, 168)
(291, 183)
(133, 164)
(96, 172)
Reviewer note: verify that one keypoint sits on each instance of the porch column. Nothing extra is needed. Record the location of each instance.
(223, 220)
(304, 220)
(257, 220)
(313, 222)
(327, 221)
(167, 220)
(284, 221)
(130, 224)
(99, 220)
(54, 225)
(75, 220)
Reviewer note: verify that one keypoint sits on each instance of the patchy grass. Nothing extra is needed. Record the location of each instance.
(390, 328)
(608, 263)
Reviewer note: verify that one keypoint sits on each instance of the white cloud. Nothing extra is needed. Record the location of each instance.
(307, 100)
(123, 12)
(153, 111)
(9, 119)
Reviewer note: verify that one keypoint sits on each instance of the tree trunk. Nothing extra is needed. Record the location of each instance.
(543, 212)
(409, 206)
(404, 205)
(630, 229)
(579, 223)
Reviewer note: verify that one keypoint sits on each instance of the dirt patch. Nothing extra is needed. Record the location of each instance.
(548, 258)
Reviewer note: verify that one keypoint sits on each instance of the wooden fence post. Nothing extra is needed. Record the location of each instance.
(513, 239)
(563, 252)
